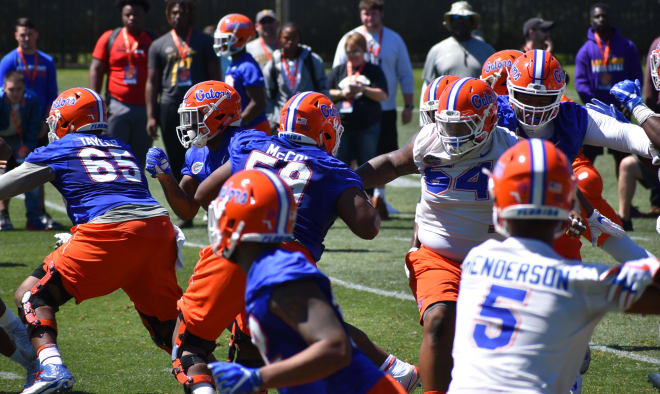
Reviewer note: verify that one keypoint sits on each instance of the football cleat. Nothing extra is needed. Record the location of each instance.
(407, 375)
(5, 222)
(51, 378)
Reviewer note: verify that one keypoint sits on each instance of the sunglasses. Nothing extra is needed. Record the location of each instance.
(457, 17)
(356, 52)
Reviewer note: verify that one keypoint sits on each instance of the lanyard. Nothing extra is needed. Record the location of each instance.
(267, 51)
(126, 45)
(605, 54)
(33, 75)
(183, 49)
(370, 48)
(19, 125)
(349, 69)
(292, 77)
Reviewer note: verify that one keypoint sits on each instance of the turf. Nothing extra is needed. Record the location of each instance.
(107, 349)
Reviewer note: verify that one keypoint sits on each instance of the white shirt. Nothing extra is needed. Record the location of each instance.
(455, 210)
(524, 318)
(393, 60)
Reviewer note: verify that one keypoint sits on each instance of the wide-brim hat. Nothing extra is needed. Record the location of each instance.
(462, 8)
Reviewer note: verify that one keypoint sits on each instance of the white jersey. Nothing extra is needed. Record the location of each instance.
(455, 210)
(524, 318)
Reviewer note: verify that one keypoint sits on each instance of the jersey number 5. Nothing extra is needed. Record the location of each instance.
(505, 320)
(296, 174)
(102, 166)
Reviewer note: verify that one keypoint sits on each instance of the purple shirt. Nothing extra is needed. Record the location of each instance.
(593, 79)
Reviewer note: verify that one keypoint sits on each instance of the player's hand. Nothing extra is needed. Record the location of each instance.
(406, 115)
(234, 378)
(628, 93)
(3, 164)
(628, 281)
(152, 128)
(576, 226)
(608, 110)
(156, 162)
(599, 224)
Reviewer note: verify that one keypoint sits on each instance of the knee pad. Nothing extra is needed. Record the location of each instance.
(48, 291)
(242, 350)
(160, 331)
(203, 349)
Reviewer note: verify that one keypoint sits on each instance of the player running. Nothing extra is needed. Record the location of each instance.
(324, 188)
(109, 203)
(525, 314)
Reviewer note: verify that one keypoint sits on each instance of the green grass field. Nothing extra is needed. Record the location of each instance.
(106, 348)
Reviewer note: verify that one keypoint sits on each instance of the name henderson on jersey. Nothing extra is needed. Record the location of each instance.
(514, 271)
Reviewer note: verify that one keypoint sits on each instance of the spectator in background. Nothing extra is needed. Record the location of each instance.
(178, 59)
(293, 69)
(460, 54)
(536, 33)
(387, 49)
(40, 77)
(605, 59)
(243, 73)
(262, 48)
(121, 53)
(20, 119)
(358, 87)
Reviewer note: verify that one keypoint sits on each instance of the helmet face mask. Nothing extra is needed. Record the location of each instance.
(231, 35)
(431, 97)
(223, 44)
(466, 116)
(655, 67)
(536, 84)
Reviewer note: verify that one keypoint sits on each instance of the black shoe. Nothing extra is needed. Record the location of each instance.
(654, 378)
(626, 224)
(635, 213)
(49, 223)
(184, 223)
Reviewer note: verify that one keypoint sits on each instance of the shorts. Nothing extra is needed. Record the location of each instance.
(433, 278)
(136, 256)
(590, 184)
(215, 296)
(386, 385)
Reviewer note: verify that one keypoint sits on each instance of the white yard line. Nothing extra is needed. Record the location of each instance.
(623, 353)
(11, 376)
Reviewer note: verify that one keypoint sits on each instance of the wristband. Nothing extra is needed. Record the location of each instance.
(641, 113)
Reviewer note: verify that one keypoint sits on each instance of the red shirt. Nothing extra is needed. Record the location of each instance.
(117, 61)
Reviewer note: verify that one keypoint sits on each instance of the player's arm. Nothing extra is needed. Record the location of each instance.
(649, 302)
(605, 131)
(256, 105)
(629, 94)
(24, 178)
(388, 166)
(152, 87)
(180, 196)
(303, 307)
(357, 212)
(208, 190)
(97, 69)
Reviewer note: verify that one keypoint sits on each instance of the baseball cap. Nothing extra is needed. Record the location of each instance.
(265, 14)
(536, 24)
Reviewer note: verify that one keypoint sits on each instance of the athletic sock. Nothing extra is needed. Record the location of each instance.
(388, 363)
(203, 388)
(49, 354)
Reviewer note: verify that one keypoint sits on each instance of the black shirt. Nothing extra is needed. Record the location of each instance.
(366, 112)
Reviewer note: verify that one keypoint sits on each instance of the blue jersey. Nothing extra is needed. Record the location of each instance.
(316, 178)
(276, 340)
(94, 174)
(244, 72)
(570, 125)
(200, 162)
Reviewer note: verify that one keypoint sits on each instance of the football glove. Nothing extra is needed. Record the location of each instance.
(234, 378)
(608, 110)
(628, 93)
(62, 238)
(156, 162)
(628, 281)
(599, 224)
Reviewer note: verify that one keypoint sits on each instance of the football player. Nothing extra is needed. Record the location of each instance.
(534, 108)
(454, 212)
(209, 117)
(293, 317)
(109, 203)
(524, 313)
(324, 188)
(244, 73)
